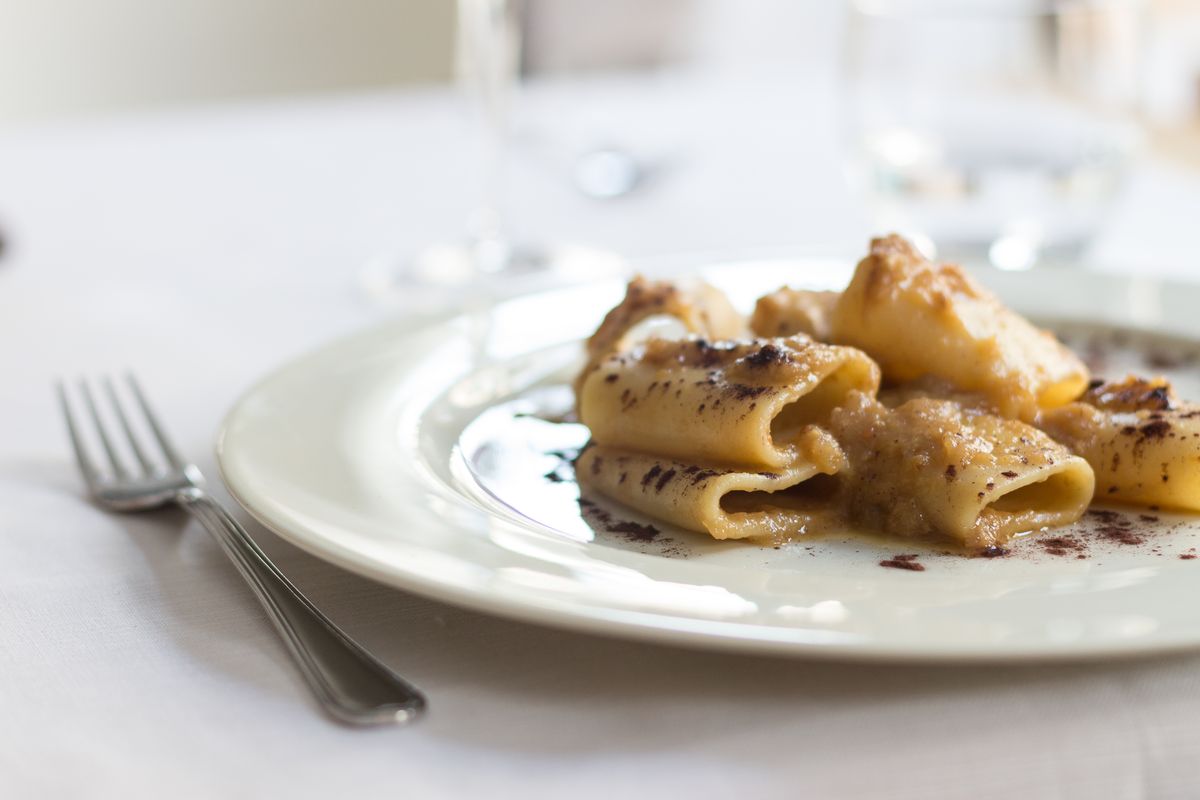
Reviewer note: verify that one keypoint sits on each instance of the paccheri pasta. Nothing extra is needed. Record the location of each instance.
(777, 426)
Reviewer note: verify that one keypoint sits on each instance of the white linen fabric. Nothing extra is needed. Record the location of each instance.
(203, 248)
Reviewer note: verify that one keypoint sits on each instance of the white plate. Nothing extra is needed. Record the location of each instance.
(407, 455)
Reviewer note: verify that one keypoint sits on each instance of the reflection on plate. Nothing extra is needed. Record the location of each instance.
(440, 460)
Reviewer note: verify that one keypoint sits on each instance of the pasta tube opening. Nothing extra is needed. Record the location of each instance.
(928, 467)
(814, 494)
(746, 403)
(816, 407)
(1056, 499)
(726, 503)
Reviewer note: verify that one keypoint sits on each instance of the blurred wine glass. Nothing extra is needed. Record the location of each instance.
(1001, 130)
(487, 263)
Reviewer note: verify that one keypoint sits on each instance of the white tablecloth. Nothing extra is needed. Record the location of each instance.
(202, 248)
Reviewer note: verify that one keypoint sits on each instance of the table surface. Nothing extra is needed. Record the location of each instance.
(201, 248)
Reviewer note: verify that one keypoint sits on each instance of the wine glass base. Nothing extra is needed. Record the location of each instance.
(451, 276)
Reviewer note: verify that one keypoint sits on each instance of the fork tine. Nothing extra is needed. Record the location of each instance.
(168, 449)
(91, 475)
(111, 391)
(117, 464)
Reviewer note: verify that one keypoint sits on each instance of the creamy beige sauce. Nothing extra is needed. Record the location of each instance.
(937, 455)
(931, 469)
(520, 451)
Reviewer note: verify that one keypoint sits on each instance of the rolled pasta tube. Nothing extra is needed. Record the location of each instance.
(699, 309)
(726, 503)
(1142, 444)
(928, 467)
(919, 319)
(737, 403)
(787, 312)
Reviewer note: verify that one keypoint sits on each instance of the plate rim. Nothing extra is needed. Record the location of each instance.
(648, 626)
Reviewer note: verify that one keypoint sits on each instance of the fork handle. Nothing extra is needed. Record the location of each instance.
(351, 684)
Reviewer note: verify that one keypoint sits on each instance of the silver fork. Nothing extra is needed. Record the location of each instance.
(349, 682)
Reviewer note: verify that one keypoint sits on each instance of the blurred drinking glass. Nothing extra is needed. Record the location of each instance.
(998, 130)
(487, 264)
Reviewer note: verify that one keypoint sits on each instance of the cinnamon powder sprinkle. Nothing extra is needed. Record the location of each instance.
(906, 561)
(650, 475)
(634, 531)
(1062, 545)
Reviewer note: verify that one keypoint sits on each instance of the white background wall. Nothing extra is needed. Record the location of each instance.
(83, 56)
(69, 57)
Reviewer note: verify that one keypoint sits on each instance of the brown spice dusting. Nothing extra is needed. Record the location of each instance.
(1121, 535)
(1158, 397)
(1008, 473)
(1062, 545)
(906, 561)
(621, 479)
(1187, 556)
(744, 391)
(703, 475)
(1147, 518)
(767, 355)
(1156, 429)
(951, 472)
(634, 531)
(611, 378)
(994, 551)
(650, 475)
(664, 479)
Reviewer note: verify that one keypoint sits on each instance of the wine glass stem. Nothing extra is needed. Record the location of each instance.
(488, 47)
